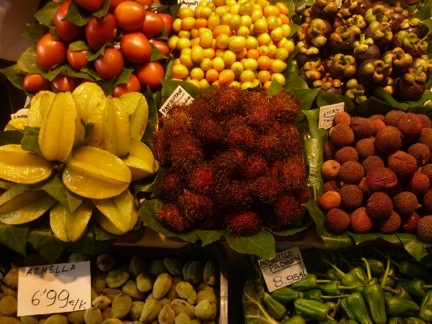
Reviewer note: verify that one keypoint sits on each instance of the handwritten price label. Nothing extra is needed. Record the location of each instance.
(284, 270)
(54, 288)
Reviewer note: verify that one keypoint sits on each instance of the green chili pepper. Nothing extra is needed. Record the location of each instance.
(347, 321)
(308, 282)
(426, 307)
(312, 308)
(398, 292)
(401, 307)
(356, 303)
(374, 296)
(415, 287)
(296, 319)
(276, 309)
(285, 295)
(348, 279)
(359, 273)
(348, 312)
(396, 320)
(334, 288)
(377, 267)
(332, 274)
(414, 320)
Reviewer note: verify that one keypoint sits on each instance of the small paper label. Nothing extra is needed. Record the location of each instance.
(284, 270)
(327, 114)
(179, 97)
(23, 112)
(54, 288)
(188, 3)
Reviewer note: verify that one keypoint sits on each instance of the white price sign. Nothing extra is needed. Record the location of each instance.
(179, 97)
(284, 270)
(327, 113)
(54, 288)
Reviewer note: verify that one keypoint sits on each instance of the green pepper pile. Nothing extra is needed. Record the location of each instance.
(363, 288)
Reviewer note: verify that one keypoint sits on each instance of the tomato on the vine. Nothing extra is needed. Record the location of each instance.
(161, 45)
(135, 47)
(65, 83)
(110, 64)
(150, 74)
(153, 24)
(66, 30)
(50, 52)
(129, 15)
(133, 85)
(35, 82)
(168, 21)
(77, 59)
(100, 31)
(114, 3)
(90, 5)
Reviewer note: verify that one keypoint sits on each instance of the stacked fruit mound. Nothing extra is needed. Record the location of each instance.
(78, 156)
(362, 45)
(378, 173)
(223, 42)
(232, 160)
(117, 43)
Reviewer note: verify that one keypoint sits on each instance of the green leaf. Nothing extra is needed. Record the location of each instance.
(27, 63)
(207, 237)
(324, 99)
(14, 237)
(261, 244)
(79, 45)
(92, 243)
(77, 15)
(152, 119)
(56, 189)
(414, 246)
(10, 137)
(13, 74)
(156, 55)
(384, 96)
(34, 31)
(29, 141)
(124, 77)
(46, 243)
(306, 97)
(46, 14)
(275, 88)
(168, 87)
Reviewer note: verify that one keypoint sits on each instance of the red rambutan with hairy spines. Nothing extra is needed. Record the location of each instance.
(170, 216)
(285, 106)
(194, 207)
(232, 194)
(255, 167)
(287, 212)
(292, 173)
(227, 102)
(160, 148)
(209, 131)
(245, 223)
(266, 189)
(258, 111)
(169, 186)
(240, 135)
(178, 122)
(202, 179)
(290, 140)
(269, 145)
(186, 152)
(229, 163)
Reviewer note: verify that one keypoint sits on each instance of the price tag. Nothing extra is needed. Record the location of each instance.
(188, 3)
(327, 114)
(23, 112)
(284, 270)
(179, 97)
(54, 288)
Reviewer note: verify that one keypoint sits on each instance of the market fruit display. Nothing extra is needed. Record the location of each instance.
(86, 144)
(231, 42)
(367, 286)
(151, 286)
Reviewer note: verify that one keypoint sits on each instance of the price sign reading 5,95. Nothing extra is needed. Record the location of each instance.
(54, 288)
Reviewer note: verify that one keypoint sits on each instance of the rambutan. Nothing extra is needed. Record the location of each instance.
(232, 194)
(169, 186)
(228, 101)
(202, 179)
(243, 224)
(170, 216)
(194, 207)
(287, 211)
(240, 135)
(160, 148)
(266, 189)
(229, 163)
(292, 173)
(285, 106)
(258, 111)
(269, 146)
(209, 131)
(177, 123)
(254, 167)
(186, 152)
(290, 140)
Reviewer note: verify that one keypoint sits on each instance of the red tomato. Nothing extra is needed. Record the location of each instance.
(150, 74)
(133, 85)
(129, 15)
(135, 47)
(153, 24)
(145, 3)
(34, 82)
(100, 31)
(77, 59)
(50, 52)
(66, 30)
(90, 5)
(65, 83)
(161, 45)
(114, 4)
(110, 64)
(168, 21)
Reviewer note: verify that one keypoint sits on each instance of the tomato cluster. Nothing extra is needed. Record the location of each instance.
(123, 36)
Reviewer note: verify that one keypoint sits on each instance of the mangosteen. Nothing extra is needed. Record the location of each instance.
(365, 49)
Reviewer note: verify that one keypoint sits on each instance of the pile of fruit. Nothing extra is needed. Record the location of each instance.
(119, 44)
(133, 288)
(341, 288)
(78, 156)
(232, 42)
(377, 174)
(354, 48)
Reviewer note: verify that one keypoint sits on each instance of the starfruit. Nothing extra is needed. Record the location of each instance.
(111, 130)
(39, 106)
(95, 173)
(19, 204)
(121, 211)
(137, 107)
(67, 226)
(17, 123)
(87, 96)
(57, 133)
(20, 166)
(141, 160)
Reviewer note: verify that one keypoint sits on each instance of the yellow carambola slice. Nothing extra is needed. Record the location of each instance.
(87, 96)
(20, 166)
(141, 160)
(39, 106)
(137, 107)
(95, 173)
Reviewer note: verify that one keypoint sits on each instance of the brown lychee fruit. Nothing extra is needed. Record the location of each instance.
(362, 127)
(372, 162)
(337, 221)
(418, 184)
(351, 172)
(365, 147)
(379, 205)
(330, 169)
(378, 125)
(424, 228)
(420, 152)
(403, 164)
(409, 224)
(342, 117)
(389, 225)
(381, 179)
(405, 203)
(425, 120)
(388, 140)
(329, 200)
(426, 137)
(391, 118)
(427, 169)
(331, 185)
(346, 153)
(329, 150)
(380, 117)
(410, 126)
(364, 187)
(351, 197)
(361, 221)
(245, 223)
(341, 135)
(427, 202)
